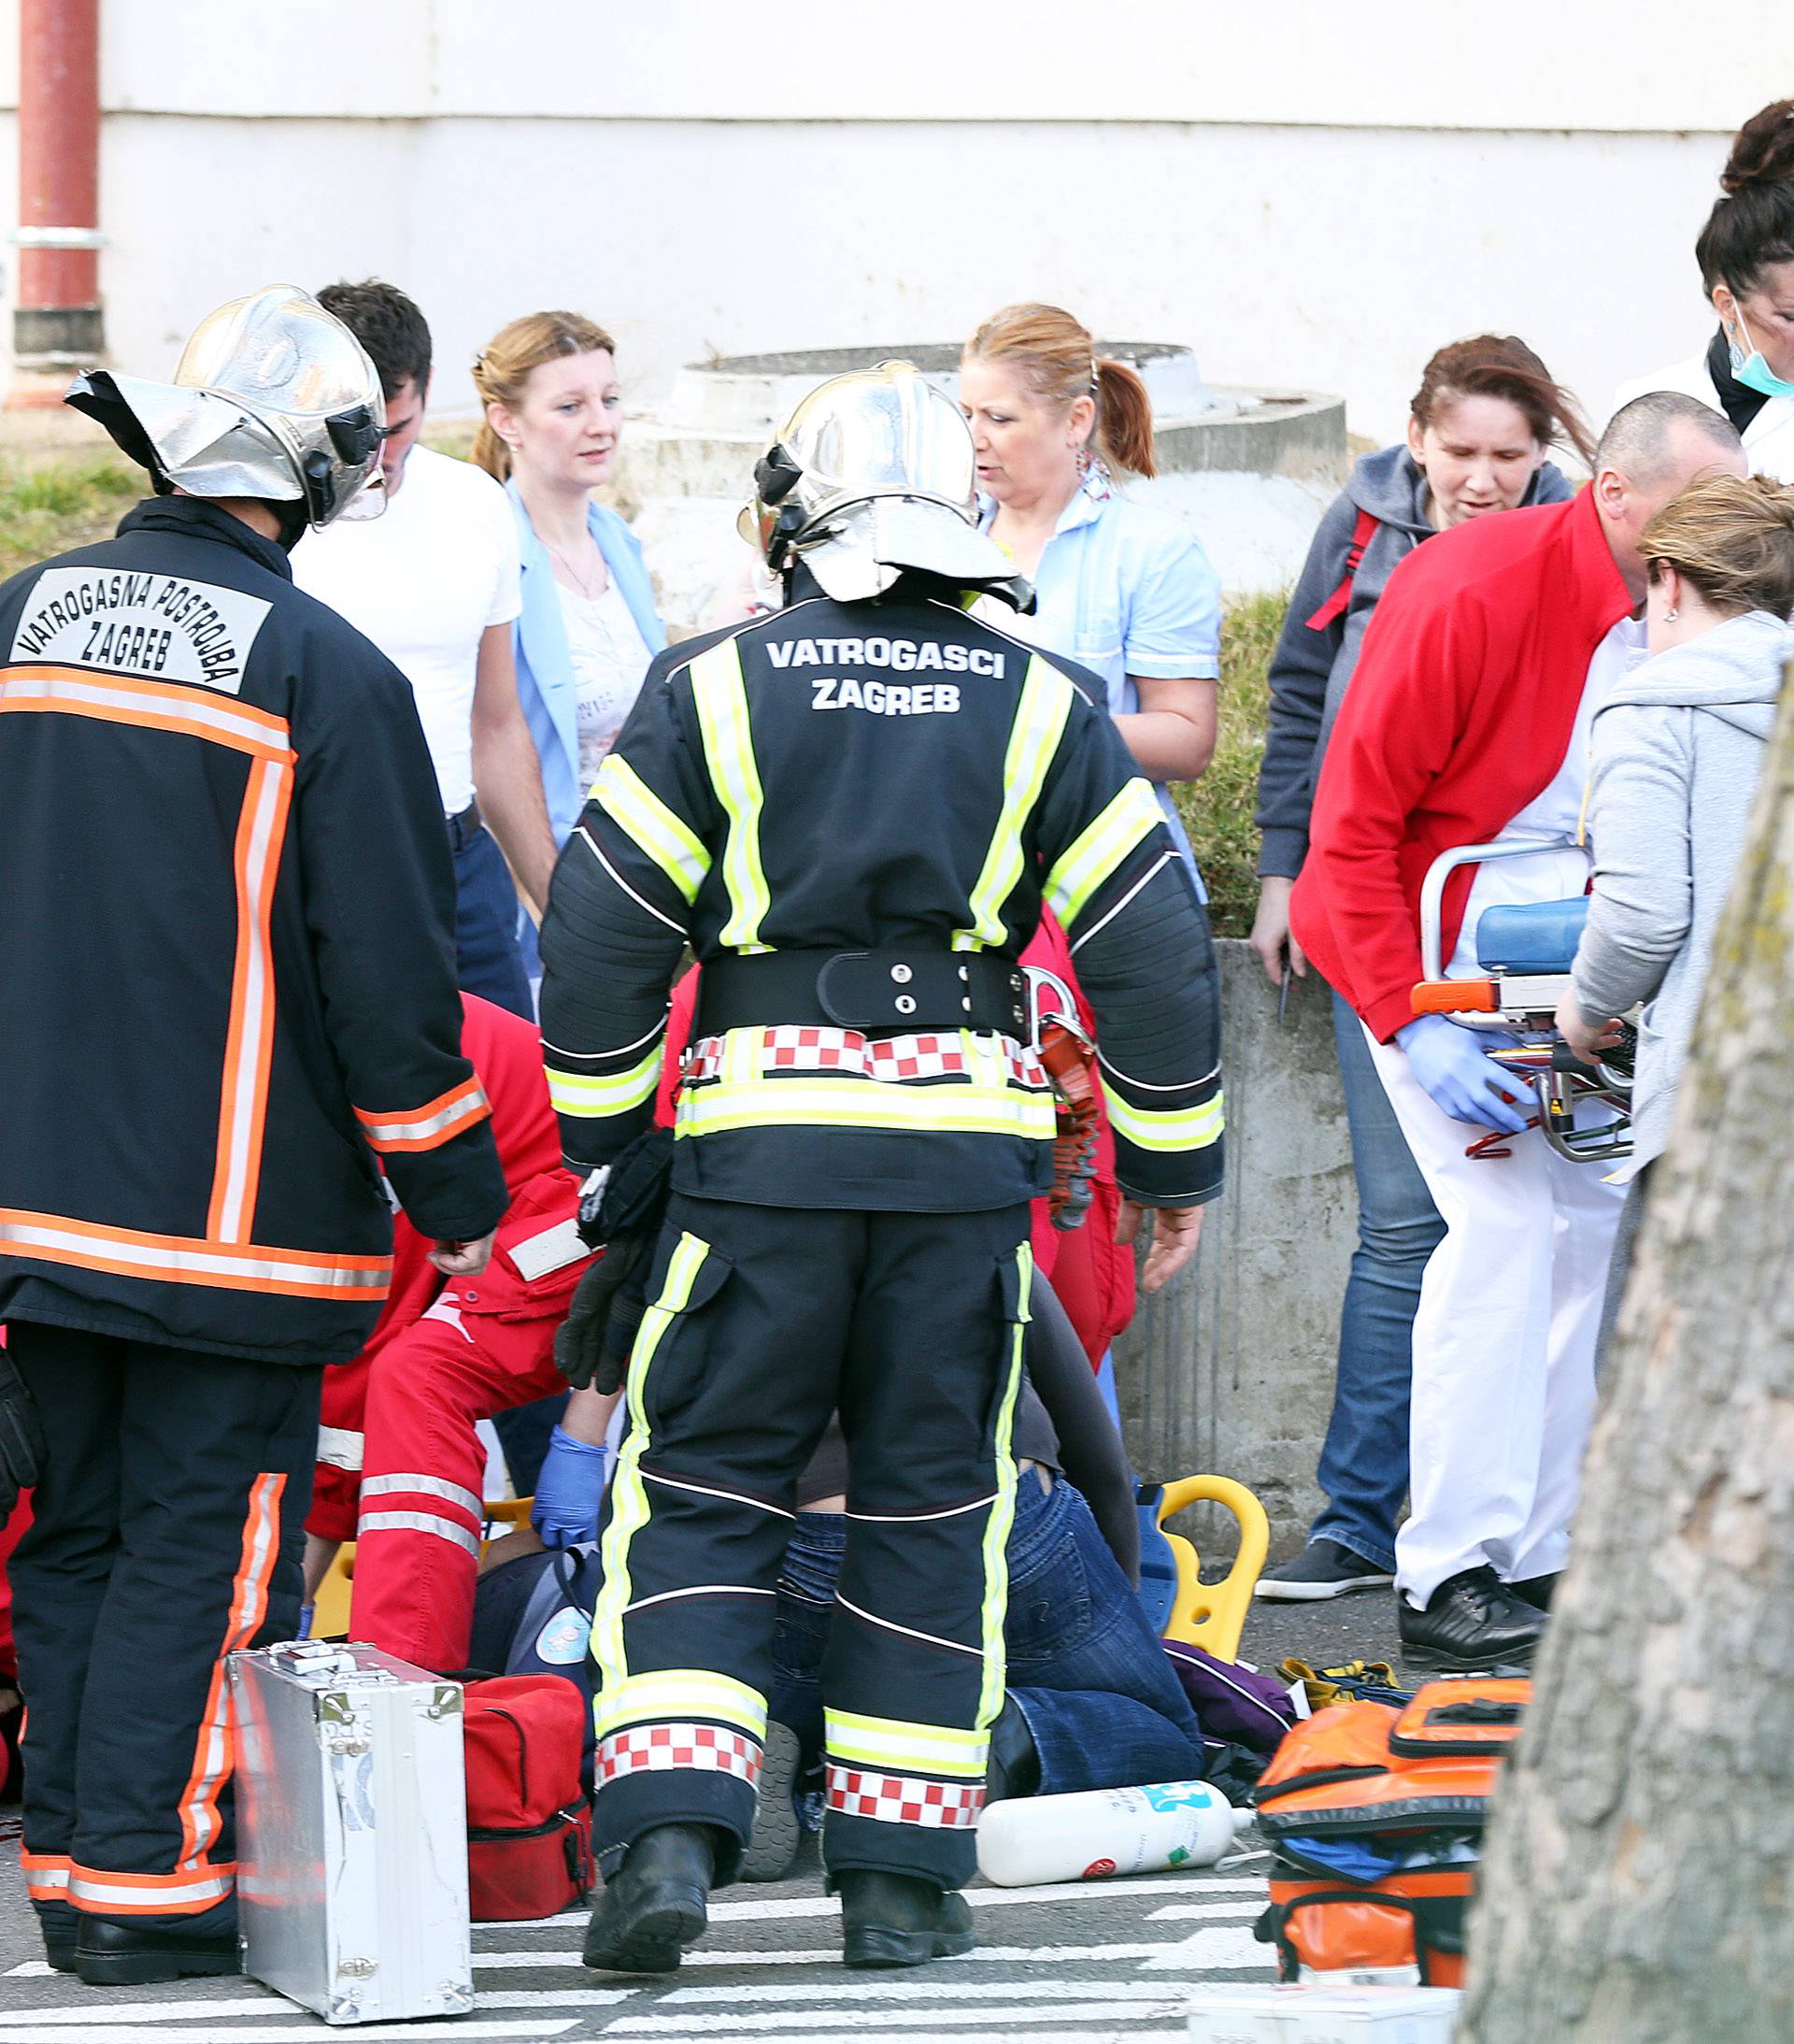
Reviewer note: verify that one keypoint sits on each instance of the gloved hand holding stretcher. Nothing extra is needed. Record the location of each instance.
(1482, 1075)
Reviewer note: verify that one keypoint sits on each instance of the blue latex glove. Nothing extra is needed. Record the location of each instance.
(1458, 1079)
(569, 1490)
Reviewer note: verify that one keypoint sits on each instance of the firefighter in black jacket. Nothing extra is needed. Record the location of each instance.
(227, 1004)
(852, 811)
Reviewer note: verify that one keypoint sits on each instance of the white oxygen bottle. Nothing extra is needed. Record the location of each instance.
(1087, 1836)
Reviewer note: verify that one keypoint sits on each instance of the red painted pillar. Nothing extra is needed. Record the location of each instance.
(57, 323)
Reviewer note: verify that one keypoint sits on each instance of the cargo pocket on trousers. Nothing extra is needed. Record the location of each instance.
(668, 1362)
(1015, 1273)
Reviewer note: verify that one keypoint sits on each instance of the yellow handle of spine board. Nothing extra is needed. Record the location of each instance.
(1213, 1615)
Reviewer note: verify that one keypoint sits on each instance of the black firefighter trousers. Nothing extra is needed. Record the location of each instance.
(167, 1529)
(762, 1321)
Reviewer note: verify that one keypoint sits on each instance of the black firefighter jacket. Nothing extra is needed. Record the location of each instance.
(227, 991)
(858, 776)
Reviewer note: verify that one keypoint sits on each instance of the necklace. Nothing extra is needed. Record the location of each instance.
(580, 581)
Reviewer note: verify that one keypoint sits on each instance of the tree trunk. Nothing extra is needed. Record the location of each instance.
(1640, 1873)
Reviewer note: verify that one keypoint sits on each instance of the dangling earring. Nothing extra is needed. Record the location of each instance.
(1083, 463)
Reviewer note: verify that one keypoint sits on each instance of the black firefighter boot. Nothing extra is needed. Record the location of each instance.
(890, 1920)
(657, 1903)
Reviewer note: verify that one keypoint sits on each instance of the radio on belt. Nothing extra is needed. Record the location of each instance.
(351, 1814)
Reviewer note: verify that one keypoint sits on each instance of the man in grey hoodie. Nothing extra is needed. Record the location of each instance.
(1677, 752)
(1485, 412)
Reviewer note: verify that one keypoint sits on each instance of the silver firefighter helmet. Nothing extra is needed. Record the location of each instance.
(273, 397)
(873, 474)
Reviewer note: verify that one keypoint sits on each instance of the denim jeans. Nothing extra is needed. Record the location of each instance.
(487, 960)
(1086, 1669)
(1364, 1460)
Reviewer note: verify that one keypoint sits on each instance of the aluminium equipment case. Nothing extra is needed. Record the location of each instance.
(352, 1818)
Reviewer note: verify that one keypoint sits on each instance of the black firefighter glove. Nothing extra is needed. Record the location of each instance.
(21, 1437)
(622, 1217)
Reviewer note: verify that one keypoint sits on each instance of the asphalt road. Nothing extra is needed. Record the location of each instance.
(1108, 1963)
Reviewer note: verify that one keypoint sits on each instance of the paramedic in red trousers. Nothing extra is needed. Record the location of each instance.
(400, 1461)
(227, 925)
(1467, 723)
(858, 1133)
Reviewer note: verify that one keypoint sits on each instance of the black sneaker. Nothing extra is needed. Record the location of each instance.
(1537, 1591)
(1323, 1569)
(1473, 1623)
(778, 1830)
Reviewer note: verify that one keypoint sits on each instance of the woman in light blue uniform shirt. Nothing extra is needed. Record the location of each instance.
(587, 630)
(1121, 587)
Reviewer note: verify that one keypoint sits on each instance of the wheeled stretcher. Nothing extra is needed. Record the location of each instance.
(1525, 950)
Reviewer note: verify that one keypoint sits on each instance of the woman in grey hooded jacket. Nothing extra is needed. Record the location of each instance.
(1676, 752)
(1486, 411)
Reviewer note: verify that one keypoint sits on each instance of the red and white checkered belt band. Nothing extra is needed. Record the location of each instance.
(847, 1053)
(904, 1798)
(657, 1749)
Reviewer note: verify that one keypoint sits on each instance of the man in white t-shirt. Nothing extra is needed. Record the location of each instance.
(434, 584)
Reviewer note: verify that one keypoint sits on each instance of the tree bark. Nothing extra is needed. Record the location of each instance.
(1637, 1882)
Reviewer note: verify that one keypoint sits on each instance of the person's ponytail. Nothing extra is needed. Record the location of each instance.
(491, 453)
(1056, 360)
(1123, 418)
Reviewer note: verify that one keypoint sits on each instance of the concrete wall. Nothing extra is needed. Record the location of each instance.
(1230, 1370)
(1307, 193)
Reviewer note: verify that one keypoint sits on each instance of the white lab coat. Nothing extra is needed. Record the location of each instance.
(1769, 438)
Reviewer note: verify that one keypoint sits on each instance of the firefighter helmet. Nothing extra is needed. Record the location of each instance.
(273, 399)
(871, 475)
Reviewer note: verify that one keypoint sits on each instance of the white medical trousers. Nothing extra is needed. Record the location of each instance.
(1503, 1346)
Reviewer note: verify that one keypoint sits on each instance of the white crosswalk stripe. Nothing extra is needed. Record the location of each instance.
(1114, 1962)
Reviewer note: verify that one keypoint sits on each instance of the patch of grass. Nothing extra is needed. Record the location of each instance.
(53, 508)
(1217, 809)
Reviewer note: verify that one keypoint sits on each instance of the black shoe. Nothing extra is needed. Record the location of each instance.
(773, 1843)
(59, 1954)
(1473, 1623)
(108, 1954)
(1537, 1591)
(657, 1904)
(1322, 1569)
(1014, 1768)
(889, 1920)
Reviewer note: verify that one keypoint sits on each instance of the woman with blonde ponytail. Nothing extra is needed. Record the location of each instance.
(589, 628)
(1122, 587)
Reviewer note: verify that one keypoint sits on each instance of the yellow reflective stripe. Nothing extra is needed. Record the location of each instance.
(913, 1748)
(629, 1507)
(865, 1103)
(1179, 1128)
(1003, 1512)
(594, 1094)
(657, 832)
(680, 1692)
(720, 698)
(1033, 738)
(1098, 849)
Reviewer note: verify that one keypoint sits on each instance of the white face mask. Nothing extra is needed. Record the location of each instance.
(1751, 370)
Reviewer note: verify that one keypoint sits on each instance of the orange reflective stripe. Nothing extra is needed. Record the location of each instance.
(156, 706)
(215, 1754)
(174, 1259)
(46, 1875)
(249, 1044)
(148, 1895)
(426, 1127)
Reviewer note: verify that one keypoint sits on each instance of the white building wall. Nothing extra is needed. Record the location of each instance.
(1307, 193)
